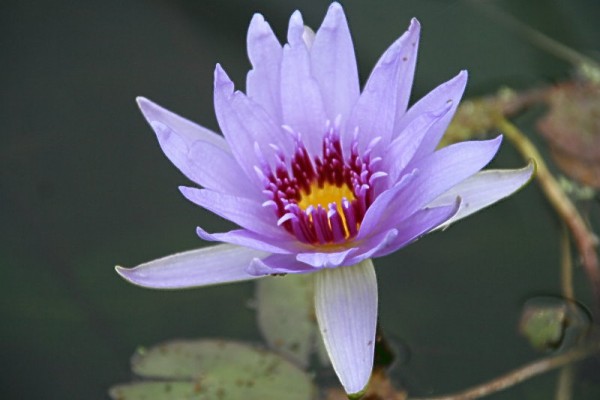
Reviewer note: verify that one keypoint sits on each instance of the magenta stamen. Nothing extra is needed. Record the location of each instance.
(287, 183)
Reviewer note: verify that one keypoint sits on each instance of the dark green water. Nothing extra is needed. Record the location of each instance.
(84, 186)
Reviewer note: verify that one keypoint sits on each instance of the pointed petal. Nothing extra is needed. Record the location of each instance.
(403, 148)
(217, 170)
(187, 131)
(484, 189)
(333, 64)
(244, 212)
(419, 224)
(372, 245)
(284, 244)
(447, 93)
(380, 211)
(278, 264)
(442, 170)
(301, 99)
(263, 80)
(387, 90)
(245, 123)
(324, 260)
(207, 266)
(346, 308)
(179, 137)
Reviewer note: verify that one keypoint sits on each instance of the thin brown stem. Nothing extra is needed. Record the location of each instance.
(566, 267)
(520, 374)
(564, 384)
(585, 240)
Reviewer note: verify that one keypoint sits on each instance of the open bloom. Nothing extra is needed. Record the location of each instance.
(321, 177)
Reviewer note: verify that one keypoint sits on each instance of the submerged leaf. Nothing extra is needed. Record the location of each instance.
(214, 369)
(286, 316)
(552, 323)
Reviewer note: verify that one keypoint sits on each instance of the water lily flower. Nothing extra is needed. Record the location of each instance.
(321, 177)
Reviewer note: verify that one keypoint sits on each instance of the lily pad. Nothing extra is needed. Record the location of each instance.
(552, 323)
(214, 369)
(286, 317)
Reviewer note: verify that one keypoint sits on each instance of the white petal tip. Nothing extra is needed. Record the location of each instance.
(222, 79)
(415, 25)
(142, 102)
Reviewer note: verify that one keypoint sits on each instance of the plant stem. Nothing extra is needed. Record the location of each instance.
(585, 240)
(520, 374)
(564, 384)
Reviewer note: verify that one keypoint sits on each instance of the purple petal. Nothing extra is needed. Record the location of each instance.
(283, 244)
(217, 170)
(207, 266)
(245, 123)
(324, 260)
(177, 136)
(419, 224)
(278, 264)
(372, 245)
(346, 308)
(442, 170)
(403, 148)
(447, 93)
(244, 212)
(387, 91)
(187, 131)
(301, 100)
(380, 209)
(333, 64)
(484, 189)
(263, 81)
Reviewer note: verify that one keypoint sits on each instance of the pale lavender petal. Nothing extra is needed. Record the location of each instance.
(278, 264)
(387, 90)
(244, 212)
(403, 148)
(245, 123)
(264, 79)
(443, 169)
(301, 100)
(206, 266)
(333, 64)
(187, 131)
(218, 170)
(484, 189)
(283, 244)
(447, 93)
(372, 245)
(346, 309)
(204, 163)
(419, 224)
(380, 209)
(324, 260)
(177, 136)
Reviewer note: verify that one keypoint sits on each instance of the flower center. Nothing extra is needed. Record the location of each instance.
(328, 194)
(322, 201)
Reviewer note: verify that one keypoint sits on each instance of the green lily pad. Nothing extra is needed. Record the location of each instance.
(286, 317)
(214, 369)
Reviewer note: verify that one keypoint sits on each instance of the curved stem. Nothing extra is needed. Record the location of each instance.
(585, 240)
(520, 374)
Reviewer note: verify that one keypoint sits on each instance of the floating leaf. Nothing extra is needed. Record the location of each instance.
(214, 369)
(553, 323)
(286, 317)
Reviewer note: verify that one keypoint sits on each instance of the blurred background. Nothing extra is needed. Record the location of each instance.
(84, 186)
